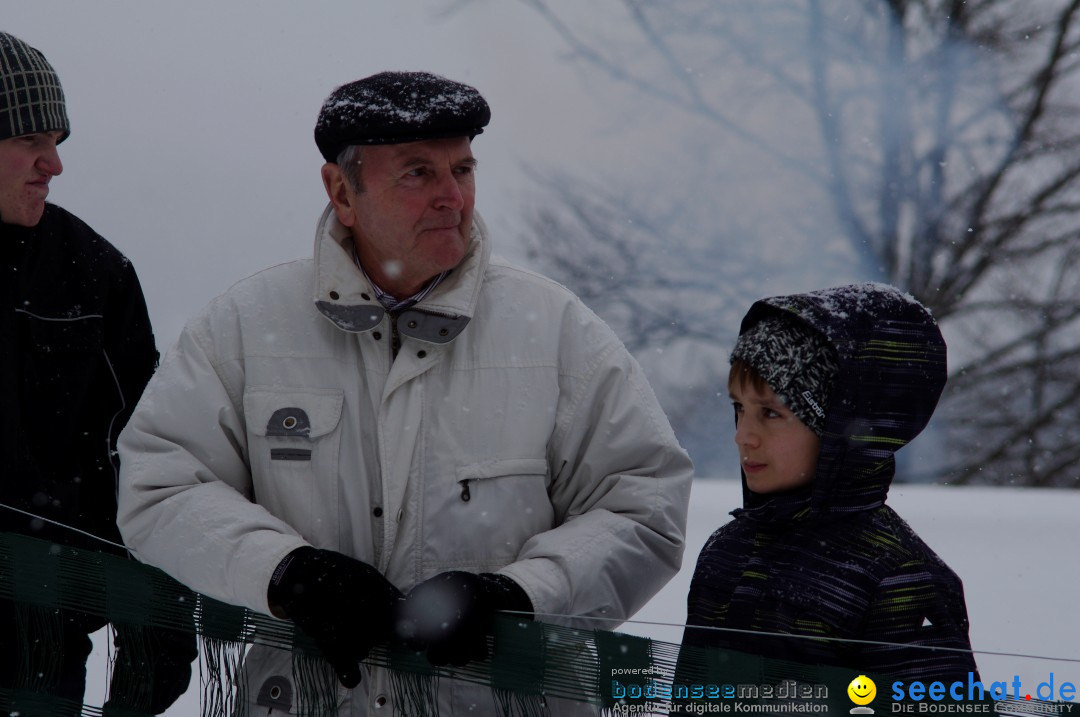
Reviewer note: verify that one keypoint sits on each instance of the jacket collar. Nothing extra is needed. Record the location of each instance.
(345, 296)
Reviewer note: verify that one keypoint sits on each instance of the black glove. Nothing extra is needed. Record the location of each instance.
(343, 604)
(450, 615)
(151, 671)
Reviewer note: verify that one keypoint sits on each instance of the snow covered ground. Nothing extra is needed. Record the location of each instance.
(1015, 550)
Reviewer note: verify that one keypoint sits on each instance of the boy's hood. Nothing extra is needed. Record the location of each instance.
(892, 370)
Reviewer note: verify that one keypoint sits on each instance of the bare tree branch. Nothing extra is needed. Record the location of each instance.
(941, 137)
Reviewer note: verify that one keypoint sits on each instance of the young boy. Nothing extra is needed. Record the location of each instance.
(826, 386)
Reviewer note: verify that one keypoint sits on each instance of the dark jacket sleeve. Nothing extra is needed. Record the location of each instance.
(129, 345)
(915, 608)
(152, 665)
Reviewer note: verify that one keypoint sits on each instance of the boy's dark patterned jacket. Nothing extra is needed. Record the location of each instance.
(832, 560)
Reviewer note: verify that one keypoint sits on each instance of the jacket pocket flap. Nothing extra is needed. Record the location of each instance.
(301, 413)
(503, 467)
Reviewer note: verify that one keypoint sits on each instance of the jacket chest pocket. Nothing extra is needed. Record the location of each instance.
(65, 370)
(487, 513)
(293, 447)
(800, 606)
(67, 337)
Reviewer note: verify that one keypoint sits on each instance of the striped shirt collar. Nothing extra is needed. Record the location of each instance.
(388, 301)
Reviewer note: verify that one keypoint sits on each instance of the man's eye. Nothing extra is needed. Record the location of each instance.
(417, 172)
(464, 170)
(770, 413)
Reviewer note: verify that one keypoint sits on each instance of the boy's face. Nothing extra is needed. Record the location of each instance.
(778, 452)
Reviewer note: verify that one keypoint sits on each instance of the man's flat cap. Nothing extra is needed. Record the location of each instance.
(397, 107)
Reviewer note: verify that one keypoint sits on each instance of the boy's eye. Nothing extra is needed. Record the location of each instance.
(737, 406)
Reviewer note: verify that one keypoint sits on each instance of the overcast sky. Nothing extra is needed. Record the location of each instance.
(191, 145)
(192, 149)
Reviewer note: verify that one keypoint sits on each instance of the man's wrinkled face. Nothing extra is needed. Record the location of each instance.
(413, 218)
(27, 164)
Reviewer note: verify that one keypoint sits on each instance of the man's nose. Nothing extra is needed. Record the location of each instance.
(449, 194)
(49, 161)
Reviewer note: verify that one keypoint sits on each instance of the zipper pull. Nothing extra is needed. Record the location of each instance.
(465, 494)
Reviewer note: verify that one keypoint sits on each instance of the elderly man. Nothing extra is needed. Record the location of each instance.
(402, 413)
(76, 350)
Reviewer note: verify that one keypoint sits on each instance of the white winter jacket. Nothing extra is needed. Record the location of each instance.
(512, 433)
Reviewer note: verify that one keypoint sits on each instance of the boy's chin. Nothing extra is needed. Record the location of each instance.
(787, 488)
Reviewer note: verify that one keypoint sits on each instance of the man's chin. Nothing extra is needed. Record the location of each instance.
(25, 216)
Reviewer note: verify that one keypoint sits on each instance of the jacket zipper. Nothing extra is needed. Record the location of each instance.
(395, 337)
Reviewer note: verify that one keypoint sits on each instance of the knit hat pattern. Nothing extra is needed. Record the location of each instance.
(398, 107)
(31, 99)
(796, 361)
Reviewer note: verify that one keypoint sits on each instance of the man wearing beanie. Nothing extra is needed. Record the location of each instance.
(826, 386)
(403, 436)
(76, 351)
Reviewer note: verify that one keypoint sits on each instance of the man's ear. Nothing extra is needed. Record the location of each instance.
(337, 189)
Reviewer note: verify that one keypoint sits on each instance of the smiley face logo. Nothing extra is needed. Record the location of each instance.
(862, 690)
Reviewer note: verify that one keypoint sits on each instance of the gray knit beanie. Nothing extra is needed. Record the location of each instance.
(797, 362)
(31, 99)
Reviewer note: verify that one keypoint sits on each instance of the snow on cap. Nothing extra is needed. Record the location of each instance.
(796, 361)
(398, 107)
(31, 99)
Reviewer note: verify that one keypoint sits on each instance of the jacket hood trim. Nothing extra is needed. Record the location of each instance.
(892, 370)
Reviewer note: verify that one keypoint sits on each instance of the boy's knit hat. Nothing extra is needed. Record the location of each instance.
(796, 361)
(31, 99)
